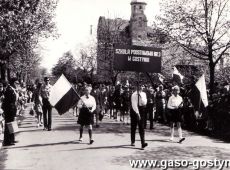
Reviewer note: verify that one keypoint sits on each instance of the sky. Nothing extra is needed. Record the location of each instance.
(73, 19)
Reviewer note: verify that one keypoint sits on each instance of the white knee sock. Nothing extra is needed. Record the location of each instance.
(172, 133)
(180, 132)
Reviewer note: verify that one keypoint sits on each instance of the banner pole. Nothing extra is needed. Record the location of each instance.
(138, 90)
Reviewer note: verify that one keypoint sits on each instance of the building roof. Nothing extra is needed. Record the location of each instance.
(113, 24)
(154, 36)
(119, 24)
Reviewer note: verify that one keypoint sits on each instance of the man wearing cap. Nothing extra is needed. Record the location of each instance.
(137, 114)
(46, 107)
(10, 109)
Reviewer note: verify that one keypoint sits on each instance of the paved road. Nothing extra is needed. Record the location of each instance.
(60, 149)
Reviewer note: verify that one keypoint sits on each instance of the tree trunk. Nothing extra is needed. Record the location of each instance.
(1, 72)
(4, 72)
(25, 78)
(212, 78)
(92, 76)
(8, 74)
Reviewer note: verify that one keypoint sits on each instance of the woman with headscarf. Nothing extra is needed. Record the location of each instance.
(87, 105)
(174, 105)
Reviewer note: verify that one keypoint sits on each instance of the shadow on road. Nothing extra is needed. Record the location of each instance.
(31, 130)
(107, 147)
(43, 145)
(3, 157)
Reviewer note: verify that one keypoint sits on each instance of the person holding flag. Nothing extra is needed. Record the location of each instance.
(175, 102)
(87, 105)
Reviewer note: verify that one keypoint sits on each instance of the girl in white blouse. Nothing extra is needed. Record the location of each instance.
(175, 102)
(87, 105)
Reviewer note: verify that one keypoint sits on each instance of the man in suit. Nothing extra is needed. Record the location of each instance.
(10, 109)
(137, 114)
(46, 106)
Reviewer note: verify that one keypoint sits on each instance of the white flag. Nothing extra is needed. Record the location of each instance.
(161, 77)
(201, 85)
(62, 95)
(176, 75)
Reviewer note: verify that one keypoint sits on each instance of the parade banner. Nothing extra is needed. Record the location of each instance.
(63, 96)
(137, 58)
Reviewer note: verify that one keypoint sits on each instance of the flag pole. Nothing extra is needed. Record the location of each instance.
(199, 104)
(138, 90)
(80, 98)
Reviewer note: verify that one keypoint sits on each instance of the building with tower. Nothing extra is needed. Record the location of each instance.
(138, 21)
(128, 32)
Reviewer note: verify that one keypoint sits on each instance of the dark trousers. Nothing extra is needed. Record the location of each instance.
(149, 112)
(47, 114)
(160, 112)
(140, 123)
(10, 113)
(8, 138)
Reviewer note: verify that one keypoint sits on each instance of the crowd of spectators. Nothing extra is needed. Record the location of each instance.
(13, 98)
(114, 101)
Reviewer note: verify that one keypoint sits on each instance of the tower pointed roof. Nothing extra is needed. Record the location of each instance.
(138, 1)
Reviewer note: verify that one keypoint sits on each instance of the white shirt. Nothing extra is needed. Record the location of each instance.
(142, 100)
(174, 102)
(45, 91)
(90, 102)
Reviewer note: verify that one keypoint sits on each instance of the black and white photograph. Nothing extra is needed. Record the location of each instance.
(114, 84)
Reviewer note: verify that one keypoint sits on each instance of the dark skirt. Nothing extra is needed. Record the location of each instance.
(175, 115)
(85, 117)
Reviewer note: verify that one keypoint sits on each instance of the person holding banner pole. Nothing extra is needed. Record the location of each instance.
(87, 105)
(137, 114)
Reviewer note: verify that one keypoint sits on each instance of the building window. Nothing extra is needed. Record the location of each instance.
(140, 7)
